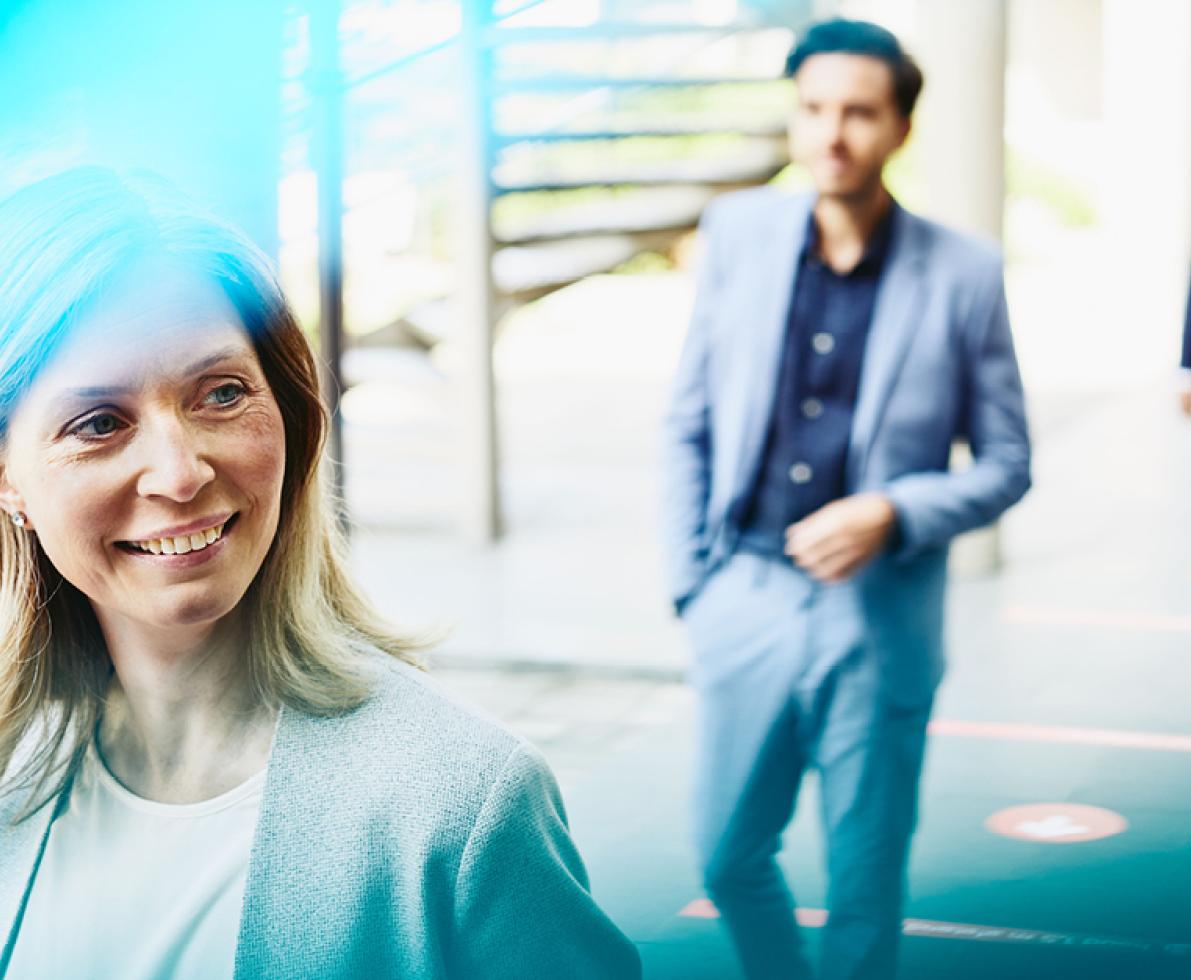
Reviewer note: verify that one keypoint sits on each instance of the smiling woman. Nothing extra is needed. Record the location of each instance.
(215, 753)
(151, 427)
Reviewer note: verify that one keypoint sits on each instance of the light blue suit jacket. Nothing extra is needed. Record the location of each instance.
(939, 365)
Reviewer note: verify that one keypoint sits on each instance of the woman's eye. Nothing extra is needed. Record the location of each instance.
(226, 394)
(98, 425)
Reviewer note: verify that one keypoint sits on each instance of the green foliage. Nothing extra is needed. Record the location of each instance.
(746, 100)
(516, 208)
(644, 263)
(1028, 178)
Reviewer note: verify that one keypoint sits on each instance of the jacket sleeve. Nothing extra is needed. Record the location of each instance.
(932, 508)
(522, 903)
(686, 437)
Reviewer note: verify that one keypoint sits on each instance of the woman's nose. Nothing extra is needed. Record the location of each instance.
(175, 463)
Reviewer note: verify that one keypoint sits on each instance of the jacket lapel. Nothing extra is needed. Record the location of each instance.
(23, 846)
(763, 338)
(278, 831)
(895, 319)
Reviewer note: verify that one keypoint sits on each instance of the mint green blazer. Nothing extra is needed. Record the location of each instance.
(410, 837)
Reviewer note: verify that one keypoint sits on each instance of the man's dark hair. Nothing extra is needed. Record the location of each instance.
(860, 37)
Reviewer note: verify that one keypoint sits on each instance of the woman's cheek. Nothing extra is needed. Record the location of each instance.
(260, 455)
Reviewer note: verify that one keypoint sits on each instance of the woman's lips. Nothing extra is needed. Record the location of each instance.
(195, 555)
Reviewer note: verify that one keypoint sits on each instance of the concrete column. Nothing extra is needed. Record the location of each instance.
(1146, 189)
(327, 88)
(961, 119)
(475, 388)
(960, 126)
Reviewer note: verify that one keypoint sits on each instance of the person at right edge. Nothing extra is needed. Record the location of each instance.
(838, 346)
(1185, 362)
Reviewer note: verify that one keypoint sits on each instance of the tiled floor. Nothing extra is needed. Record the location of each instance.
(1109, 908)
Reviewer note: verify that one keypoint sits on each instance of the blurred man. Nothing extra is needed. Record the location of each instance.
(838, 346)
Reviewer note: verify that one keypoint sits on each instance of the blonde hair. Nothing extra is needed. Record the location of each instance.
(62, 241)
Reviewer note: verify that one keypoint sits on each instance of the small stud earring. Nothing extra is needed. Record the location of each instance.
(18, 518)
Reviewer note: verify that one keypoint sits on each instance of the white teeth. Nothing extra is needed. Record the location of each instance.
(182, 545)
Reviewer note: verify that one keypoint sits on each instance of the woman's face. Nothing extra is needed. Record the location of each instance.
(148, 455)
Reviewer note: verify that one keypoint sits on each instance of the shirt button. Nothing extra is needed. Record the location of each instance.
(812, 408)
(801, 473)
(823, 343)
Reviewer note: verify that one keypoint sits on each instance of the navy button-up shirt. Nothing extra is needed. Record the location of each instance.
(802, 467)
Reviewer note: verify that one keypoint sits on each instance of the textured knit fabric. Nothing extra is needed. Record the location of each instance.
(408, 838)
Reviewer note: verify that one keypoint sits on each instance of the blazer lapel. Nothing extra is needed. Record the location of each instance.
(777, 273)
(21, 852)
(284, 920)
(260, 940)
(895, 318)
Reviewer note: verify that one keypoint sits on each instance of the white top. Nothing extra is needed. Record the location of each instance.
(139, 890)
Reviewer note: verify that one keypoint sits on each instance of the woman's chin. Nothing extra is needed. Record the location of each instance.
(202, 610)
(181, 613)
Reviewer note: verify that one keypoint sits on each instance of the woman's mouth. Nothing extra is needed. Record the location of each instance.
(182, 544)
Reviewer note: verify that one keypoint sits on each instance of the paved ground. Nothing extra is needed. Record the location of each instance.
(1070, 673)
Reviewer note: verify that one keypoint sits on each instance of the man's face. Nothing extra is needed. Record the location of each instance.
(846, 123)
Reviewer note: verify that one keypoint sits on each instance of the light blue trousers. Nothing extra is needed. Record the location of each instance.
(785, 682)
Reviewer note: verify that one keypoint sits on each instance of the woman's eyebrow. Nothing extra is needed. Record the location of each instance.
(71, 396)
(227, 354)
(70, 400)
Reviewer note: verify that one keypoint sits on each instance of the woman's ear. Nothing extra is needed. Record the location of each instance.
(13, 503)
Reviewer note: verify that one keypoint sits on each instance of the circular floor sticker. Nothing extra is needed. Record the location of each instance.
(1056, 823)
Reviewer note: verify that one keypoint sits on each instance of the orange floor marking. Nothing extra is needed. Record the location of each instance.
(1056, 823)
(702, 908)
(1111, 738)
(1144, 622)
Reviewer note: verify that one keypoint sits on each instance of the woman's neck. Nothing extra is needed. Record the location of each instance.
(180, 724)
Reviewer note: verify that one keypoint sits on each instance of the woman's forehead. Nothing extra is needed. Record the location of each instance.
(153, 298)
(152, 322)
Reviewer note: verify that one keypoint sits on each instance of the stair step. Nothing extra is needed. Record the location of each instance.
(559, 82)
(608, 31)
(716, 126)
(753, 163)
(527, 271)
(633, 212)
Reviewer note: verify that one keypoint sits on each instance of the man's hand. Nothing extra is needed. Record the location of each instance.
(1185, 400)
(836, 541)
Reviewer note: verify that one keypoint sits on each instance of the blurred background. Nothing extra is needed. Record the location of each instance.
(484, 213)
